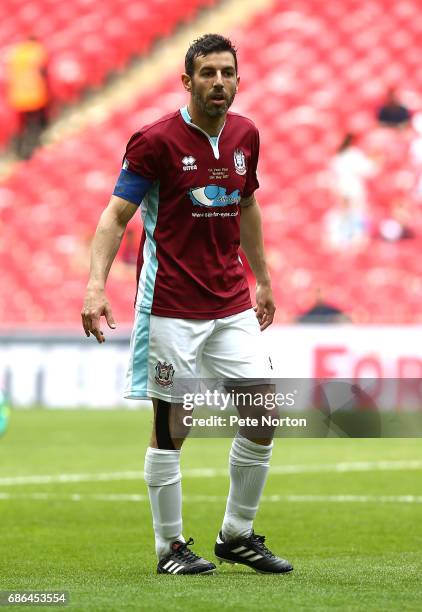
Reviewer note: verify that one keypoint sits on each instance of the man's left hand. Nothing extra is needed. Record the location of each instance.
(265, 307)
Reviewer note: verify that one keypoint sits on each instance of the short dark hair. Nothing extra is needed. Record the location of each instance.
(209, 43)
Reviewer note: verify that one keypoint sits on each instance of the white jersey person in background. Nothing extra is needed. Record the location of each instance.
(350, 169)
(346, 224)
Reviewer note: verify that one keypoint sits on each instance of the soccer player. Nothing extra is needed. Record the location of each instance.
(193, 175)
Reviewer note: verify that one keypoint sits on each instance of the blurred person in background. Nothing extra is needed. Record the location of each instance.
(350, 168)
(129, 254)
(322, 311)
(345, 228)
(398, 225)
(79, 246)
(347, 224)
(393, 113)
(27, 90)
(4, 413)
(415, 152)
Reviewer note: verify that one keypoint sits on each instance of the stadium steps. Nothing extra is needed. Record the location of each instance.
(149, 72)
(146, 73)
(86, 41)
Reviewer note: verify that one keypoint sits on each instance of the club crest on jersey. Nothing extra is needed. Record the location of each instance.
(239, 162)
(189, 163)
(164, 373)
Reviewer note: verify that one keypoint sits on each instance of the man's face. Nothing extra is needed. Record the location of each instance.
(214, 83)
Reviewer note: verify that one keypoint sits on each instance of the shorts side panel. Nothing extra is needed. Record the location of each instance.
(137, 374)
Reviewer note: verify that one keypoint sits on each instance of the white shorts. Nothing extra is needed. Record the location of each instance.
(164, 351)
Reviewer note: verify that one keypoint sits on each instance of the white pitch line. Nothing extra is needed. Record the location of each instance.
(78, 497)
(355, 466)
(58, 478)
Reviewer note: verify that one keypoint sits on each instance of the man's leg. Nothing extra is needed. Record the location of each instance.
(235, 352)
(163, 477)
(164, 354)
(162, 474)
(249, 463)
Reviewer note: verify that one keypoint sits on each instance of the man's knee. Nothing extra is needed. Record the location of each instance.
(169, 431)
(256, 404)
(162, 425)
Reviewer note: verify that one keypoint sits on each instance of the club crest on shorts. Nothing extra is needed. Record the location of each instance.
(164, 373)
(239, 162)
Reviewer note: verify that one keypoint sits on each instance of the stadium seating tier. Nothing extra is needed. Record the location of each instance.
(309, 72)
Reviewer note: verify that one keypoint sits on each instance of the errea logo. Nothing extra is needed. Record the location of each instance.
(189, 163)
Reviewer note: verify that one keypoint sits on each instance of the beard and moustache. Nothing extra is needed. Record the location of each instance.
(214, 111)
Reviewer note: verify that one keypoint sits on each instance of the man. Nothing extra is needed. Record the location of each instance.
(28, 92)
(322, 311)
(194, 174)
(392, 113)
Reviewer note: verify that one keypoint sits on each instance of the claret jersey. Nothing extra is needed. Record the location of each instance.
(191, 185)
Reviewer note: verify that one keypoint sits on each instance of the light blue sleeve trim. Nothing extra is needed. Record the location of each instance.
(131, 187)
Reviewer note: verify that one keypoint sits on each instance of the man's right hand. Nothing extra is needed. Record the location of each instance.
(95, 306)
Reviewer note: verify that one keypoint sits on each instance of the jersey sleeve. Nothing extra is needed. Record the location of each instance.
(139, 170)
(140, 157)
(251, 177)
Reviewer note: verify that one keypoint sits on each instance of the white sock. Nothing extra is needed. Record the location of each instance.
(164, 480)
(249, 463)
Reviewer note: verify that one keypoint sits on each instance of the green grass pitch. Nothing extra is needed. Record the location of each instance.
(353, 537)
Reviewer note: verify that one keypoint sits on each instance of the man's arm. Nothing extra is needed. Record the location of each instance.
(252, 243)
(107, 239)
